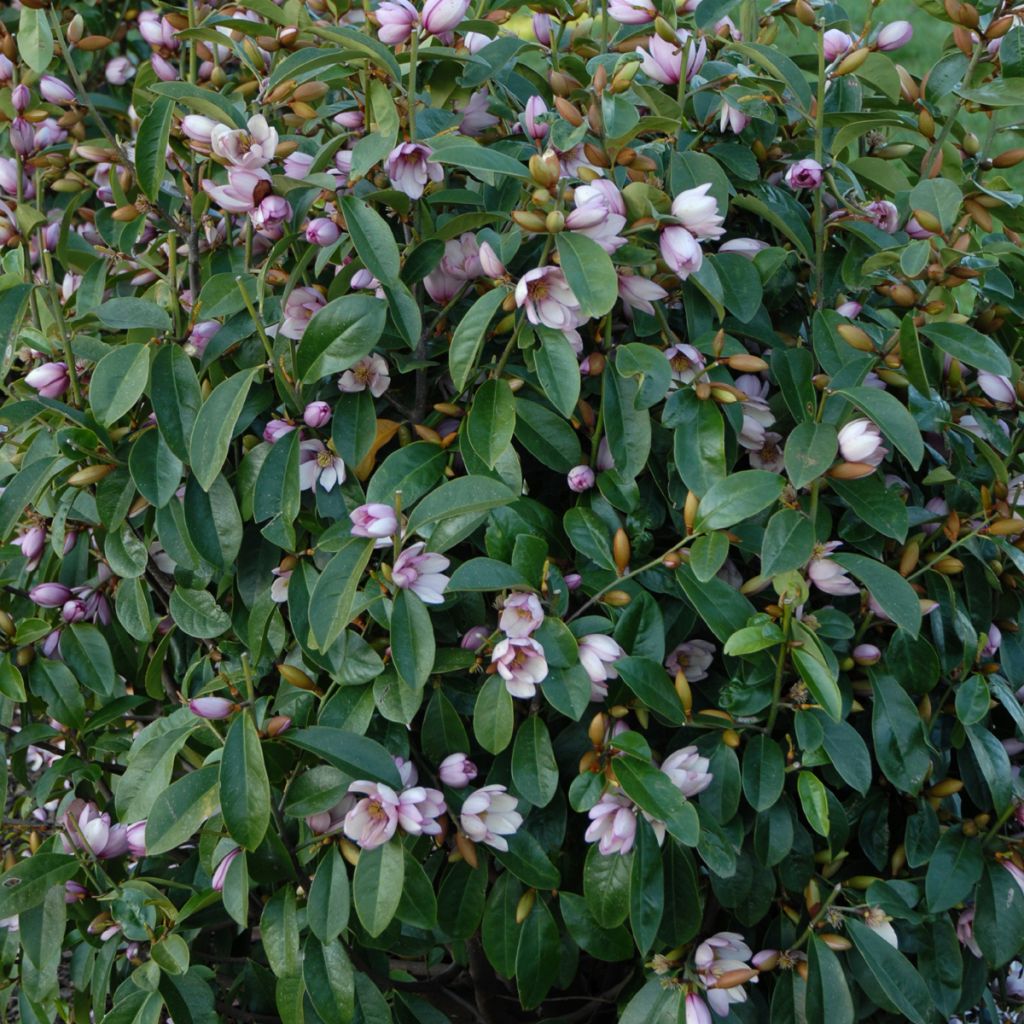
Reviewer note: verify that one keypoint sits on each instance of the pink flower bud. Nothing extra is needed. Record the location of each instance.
(316, 415)
(535, 108)
(353, 120)
(275, 430)
(851, 310)
(894, 35)
(49, 595)
(163, 69)
(474, 638)
(221, 873)
(489, 262)
(22, 136)
(866, 654)
(581, 478)
(805, 173)
(211, 707)
(375, 520)
(21, 98)
(53, 90)
(74, 610)
(457, 771)
(322, 231)
(136, 836)
(573, 580)
(836, 43)
(443, 15)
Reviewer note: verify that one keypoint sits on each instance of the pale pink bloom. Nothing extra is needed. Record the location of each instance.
(200, 336)
(1016, 873)
(521, 663)
(163, 69)
(300, 307)
(421, 573)
(279, 588)
(353, 120)
(245, 190)
(770, 456)
(251, 147)
(50, 380)
(441, 16)
(993, 641)
(476, 114)
(663, 61)
(965, 931)
(316, 415)
(135, 836)
(639, 292)
(474, 638)
(322, 231)
(211, 707)
(118, 70)
(476, 41)
(866, 654)
(632, 12)
(997, 387)
(489, 262)
(371, 372)
(697, 1011)
(915, 230)
(220, 875)
(441, 286)
(535, 109)
(488, 815)
(74, 610)
(581, 478)
(396, 19)
(547, 298)
(198, 128)
(598, 654)
(693, 658)
(602, 193)
(715, 956)
(418, 810)
(32, 543)
(748, 247)
(698, 213)
(53, 90)
(807, 173)
(688, 771)
(878, 921)
(521, 615)
(598, 224)
(374, 818)
(686, 362)
(410, 168)
(375, 520)
(271, 213)
(457, 771)
(894, 35)
(276, 429)
(851, 310)
(681, 251)
(861, 441)
(462, 257)
(836, 43)
(541, 25)
(612, 824)
(605, 460)
(49, 595)
(298, 164)
(732, 119)
(333, 819)
(85, 828)
(318, 463)
(884, 215)
(829, 576)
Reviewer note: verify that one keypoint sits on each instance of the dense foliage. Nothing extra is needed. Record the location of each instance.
(509, 515)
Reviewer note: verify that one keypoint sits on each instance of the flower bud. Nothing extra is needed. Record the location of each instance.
(49, 595)
(211, 707)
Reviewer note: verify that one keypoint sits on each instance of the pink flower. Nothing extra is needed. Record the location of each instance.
(489, 262)
(135, 836)
(396, 19)
(693, 658)
(198, 128)
(894, 35)
(612, 824)
(1018, 875)
(535, 109)
(807, 173)
(32, 543)
(371, 372)
(245, 190)
(732, 119)
(85, 828)
(748, 247)
(276, 429)
(697, 1011)
(457, 771)
(596, 222)
(522, 615)
(49, 595)
(410, 168)
(547, 298)
(639, 292)
(681, 251)
(884, 215)
(866, 654)
(965, 931)
(211, 707)
(318, 463)
(993, 641)
(74, 610)
(118, 71)
(252, 147)
(474, 638)
(598, 654)
(462, 257)
(476, 114)
(632, 12)
(374, 818)
(50, 380)
(581, 478)
(322, 231)
(836, 43)
(698, 213)
(686, 362)
(271, 213)
(375, 520)
(300, 307)
(53, 90)
(688, 771)
(220, 875)
(770, 455)
(441, 16)
(715, 956)
(851, 310)
(829, 576)
(663, 61)
(915, 230)
(421, 573)
(488, 815)
(861, 441)
(200, 336)
(997, 387)
(521, 663)
(418, 810)
(316, 415)
(279, 588)
(541, 25)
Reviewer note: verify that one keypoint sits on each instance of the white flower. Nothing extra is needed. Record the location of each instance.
(318, 462)
(488, 815)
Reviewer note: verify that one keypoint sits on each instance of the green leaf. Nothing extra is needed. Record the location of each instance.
(610, 944)
(357, 756)
(655, 1004)
(651, 683)
(330, 605)
(752, 639)
(491, 421)
(377, 886)
(954, 869)
(818, 676)
(35, 40)
(215, 425)
(244, 786)
(527, 861)
(547, 436)
(627, 427)
(810, 450)
(653, 791)
(493, 716)
(780, 67)
(412, 639)
(118, 381)
(485, 574)
(892, 418)
(468, 339)
(558, 370)
(26, 884)
(606, 887)
(940, 197)
(588, 270)
(371, 235)
(589, 536)
(126, 314)
(174, 392)
(969, 346)
(972, 700)
(374, 147)
(738, 497)
(893, 972)
(876, 504)
(197, 613)
(339, 335)
(155, 469)
(708, 554)
(900, 746)
(646, 887)
(53, 681)
(500, 930)
(896, 597)
(537, 958)
(329, 978)
(764, 772)
(999, 915)
(460, 901)
(848, 753)
(828, 995)
(151, 146)
(534, 770)
(814, 801)
(699, 443)
(181, 808)
(328, 906)
(788, 542)
(459, 497)
(87, 654)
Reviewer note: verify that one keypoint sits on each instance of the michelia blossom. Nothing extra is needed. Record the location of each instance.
(86, 829)
(686, 362)
(830, 576)
(748, 247)
(997, 387)
(251, 147)
(318, 463)
(396, 19)
(245, 190)
(879, 922)
(32, 543)
(370, 373)
(535, 109)
(375, 520)
(198, 128)
(49, 595)
(488, 815)
(717, 955)
(688, 771)
(807, 173)
(697, 1011)
(663, 61)
(693, 658)
(211, 707)
(884, 215)
(461, 257)
(421, 573)
(457, 771)
(632, 12)
(441, 16)
(547, 298)
(638, 292)
(50, 380)
(580, 479)
(279, 588)
(410, 168)
(894, 35)
(374, 818)
(521, 663)
(316, 415)
(698, 213)
(522, 615)
(299, 308)
(598, 654)
(612, 824)
(732, 119)
(220, 874)
(836, 43)
(681, 251)
(861, 441)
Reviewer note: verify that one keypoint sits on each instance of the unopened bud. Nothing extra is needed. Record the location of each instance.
(856, 337)
(90, 475)
(853, 61)
(1009, 158)
(525, 905)
(947, 565)
(616, 598)
(296, 677)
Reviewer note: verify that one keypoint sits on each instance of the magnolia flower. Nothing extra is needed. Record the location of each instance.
(884, 215)
(421, 573)
(663, 61)
(693, 658)
(830, 576)
(770, 456)
(135, 836)
(252, 147)
(220, 875)
(836, 43)
(457, 771)
(410, 168)
(894, 35)
(245, 190)
(698, 213)
(878, 921)
(535, 109)
(997, 387)
(718, 955)
(488, 815)
(965, 931)
(316, 415)
(915, 230)
(861, 441)
(198, 128)
(396, 19)
(521, 615)
(211, 707)
(375, 520)
(612, 824)
(32, 543)
(53, 90)
(580, 479)
(632, 12)
(866, 654)
(49, 595)
(440, 16)
(688, 771)
(521, 663)
(805, 173)
(595, 221)
(374, 818)
(993, 641)
(318, 462)
(476, 113)
(200, 336)
(276, 429)
(681, 251)
(732, 119)
(474, 638)
(118, 70)
(462, 257)
(541, 25)
(490, 264)
(686, 363)
(50, 380)
(638, 292)
(598, 654)
(697, 1011)
(279, 588)
(300, 307)
(322, 231)
(547, 298)
(370, 373)
(419, 807)
(851, 310)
